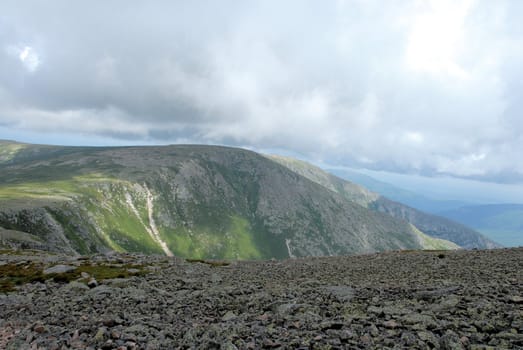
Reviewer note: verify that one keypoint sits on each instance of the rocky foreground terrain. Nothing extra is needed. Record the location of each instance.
(397, 300)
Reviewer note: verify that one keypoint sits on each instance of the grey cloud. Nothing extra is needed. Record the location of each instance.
(332, 81)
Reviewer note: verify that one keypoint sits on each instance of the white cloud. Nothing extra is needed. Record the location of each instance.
(429, 86)
(437, 37)
(27, 56)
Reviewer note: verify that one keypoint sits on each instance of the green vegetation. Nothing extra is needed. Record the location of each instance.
(211, 263)
(15, 274)
(12, 275)
(431, 243)
(99, 272)
(234, 241)
(8, 151)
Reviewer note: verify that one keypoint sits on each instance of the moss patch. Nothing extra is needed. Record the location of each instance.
(100, 272)
(234, 240)
(212, 263)
(12, 275)
(15, 274)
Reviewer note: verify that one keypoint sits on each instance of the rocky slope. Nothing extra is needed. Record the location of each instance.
(191, 201)
(432, 225)
(396, 300)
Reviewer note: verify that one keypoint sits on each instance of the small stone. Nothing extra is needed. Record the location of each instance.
(116, 334)
(375, 310)
(409, 338)
(92, 283)
(229, 346)
(331, 325)
(342, 293)
(448, 303)
(346, 334)
(229, 315)
(108, 345)
(420, 321)
(39, 328)
(76, 286)
(450, 341)
(264, 317)
(428, 338)
(515, 299)
(464, 341)
(373, 330)
(100, 334)
(268, 343)
(366, 339)
(285, 309)
(130, 345)
(109, 322)
(85, 274)
(215, 278)
(391, 324)
(481, 347)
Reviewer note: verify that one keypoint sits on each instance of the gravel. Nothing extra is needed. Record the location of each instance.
(395, 300)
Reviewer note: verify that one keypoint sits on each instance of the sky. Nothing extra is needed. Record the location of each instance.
(431, 88)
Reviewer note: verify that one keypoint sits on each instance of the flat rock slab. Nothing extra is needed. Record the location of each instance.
(59, 269)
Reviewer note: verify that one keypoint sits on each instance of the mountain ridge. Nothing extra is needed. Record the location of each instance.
(201, 201)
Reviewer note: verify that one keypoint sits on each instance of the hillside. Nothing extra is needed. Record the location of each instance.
(189, 201)
(432, 225)
(503, 222)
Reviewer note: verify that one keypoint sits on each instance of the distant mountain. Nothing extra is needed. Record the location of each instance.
(502, 222)
(432, 225)
(397, 194)
(186, 200)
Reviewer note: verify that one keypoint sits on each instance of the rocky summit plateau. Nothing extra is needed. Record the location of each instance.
(464, 299)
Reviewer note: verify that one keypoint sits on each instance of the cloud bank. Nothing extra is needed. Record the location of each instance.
(411, 86)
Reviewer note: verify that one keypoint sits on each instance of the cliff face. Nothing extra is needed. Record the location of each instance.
(191, 201)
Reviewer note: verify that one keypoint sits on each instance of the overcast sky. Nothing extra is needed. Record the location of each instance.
(429, 87)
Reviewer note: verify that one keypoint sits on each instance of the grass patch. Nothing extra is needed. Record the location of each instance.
(232, 240)
(100, 272)
(212, 263)
(12, 275)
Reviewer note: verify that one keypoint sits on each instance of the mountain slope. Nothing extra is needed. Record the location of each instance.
(503, 222)
(191, 201)
(432, 225)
